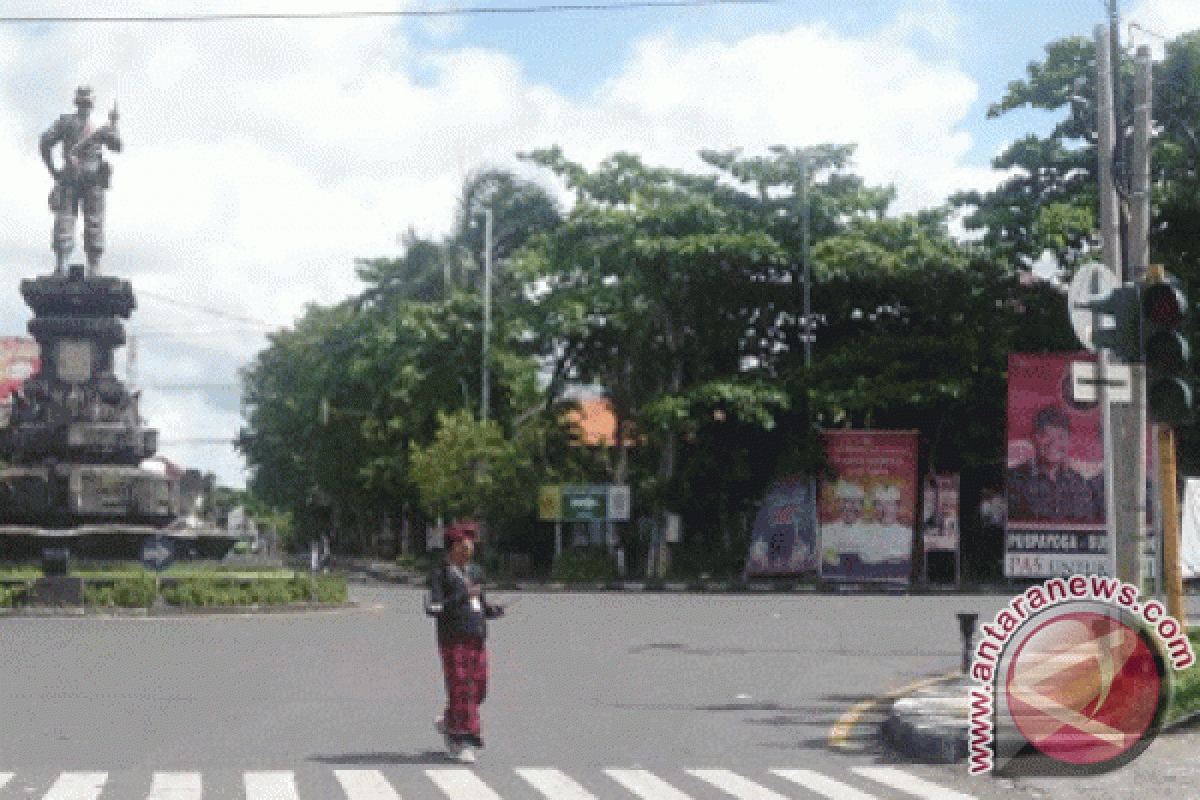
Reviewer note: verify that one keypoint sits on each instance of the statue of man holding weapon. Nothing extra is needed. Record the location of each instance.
(82, 178)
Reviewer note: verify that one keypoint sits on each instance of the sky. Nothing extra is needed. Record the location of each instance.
(263, 156)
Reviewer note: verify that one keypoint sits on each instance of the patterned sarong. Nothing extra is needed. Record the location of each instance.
(464, 663)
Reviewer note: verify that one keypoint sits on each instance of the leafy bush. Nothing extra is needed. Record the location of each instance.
(583, 566)
(11, 596)
(134, 591)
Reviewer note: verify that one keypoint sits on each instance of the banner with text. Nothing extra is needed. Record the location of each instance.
(868, 508)
(1055, 472)
(18, 360)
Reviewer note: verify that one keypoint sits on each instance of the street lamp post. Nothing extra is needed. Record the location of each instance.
(804, 256)
(487, 310)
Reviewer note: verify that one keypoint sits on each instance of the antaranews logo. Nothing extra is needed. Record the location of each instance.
(1073, 678)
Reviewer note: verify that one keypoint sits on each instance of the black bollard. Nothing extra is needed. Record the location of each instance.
(966, 626)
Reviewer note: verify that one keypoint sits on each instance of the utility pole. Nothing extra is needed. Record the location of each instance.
(1125, 424)
(804, 175)
(487, 310)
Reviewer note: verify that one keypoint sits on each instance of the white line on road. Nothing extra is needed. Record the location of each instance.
(175, 786)
(461, 784)
(828, 787)
(5, 777)
(735, 784)
(77, 786)
(645, 784)
(271, 786)
(365, 784)
(898, 779)
(554, 785)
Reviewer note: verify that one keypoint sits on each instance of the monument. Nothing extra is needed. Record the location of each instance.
(73, 484)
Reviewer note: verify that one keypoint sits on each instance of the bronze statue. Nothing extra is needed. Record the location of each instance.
(81, 180)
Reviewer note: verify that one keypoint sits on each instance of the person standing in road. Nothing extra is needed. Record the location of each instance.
(457, 601)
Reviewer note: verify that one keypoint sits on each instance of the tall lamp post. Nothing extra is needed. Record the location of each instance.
(804, 257)
(487, 310)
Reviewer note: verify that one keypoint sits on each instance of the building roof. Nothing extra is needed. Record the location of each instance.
(596, 421)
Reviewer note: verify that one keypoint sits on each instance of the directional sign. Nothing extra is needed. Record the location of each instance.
(157, 553)
(585, 503)
(1085, 383)
(1093, 283)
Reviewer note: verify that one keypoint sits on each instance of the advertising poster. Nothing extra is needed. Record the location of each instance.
(18, 360)
(784, 541)
(868, 508)
(940, 526)
(1055, 472)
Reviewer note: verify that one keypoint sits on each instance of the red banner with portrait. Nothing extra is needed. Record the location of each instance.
(1055, 471)
(868, 506)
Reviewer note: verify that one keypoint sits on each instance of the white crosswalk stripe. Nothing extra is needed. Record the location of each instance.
(734, 784)
(77, 786)
(461, 784)
(175, 786)
(899, 779)
(365, 784)
(551, 784)
(271, 786)
(646, 784)
(822, 785)
(554, 785)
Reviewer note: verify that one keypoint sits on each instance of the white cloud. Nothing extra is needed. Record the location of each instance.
(1154, 19)
(262, 157)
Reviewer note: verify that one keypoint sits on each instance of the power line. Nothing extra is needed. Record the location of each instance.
(207, 310)
(432, 12)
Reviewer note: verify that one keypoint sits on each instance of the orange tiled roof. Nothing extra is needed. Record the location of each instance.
(597, 422)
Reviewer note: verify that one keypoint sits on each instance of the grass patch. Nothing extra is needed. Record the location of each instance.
(1185, 696)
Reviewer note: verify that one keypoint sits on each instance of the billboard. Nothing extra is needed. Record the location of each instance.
(868, 506)
(784, 541)
(18, 360)
(1055, 472)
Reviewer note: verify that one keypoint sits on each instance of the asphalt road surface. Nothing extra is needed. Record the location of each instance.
(593, 696)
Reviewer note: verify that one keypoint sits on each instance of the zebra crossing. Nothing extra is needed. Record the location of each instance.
(861, 783)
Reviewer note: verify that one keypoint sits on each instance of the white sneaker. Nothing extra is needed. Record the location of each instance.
(465, 755)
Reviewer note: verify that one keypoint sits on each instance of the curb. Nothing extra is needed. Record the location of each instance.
(922, 734)
(62, 612)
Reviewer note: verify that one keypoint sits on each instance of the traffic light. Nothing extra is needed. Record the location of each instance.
(1165, 352)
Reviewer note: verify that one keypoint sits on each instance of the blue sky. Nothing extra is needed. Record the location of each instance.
(263, 156)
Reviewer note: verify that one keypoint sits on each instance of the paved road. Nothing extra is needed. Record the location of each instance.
(594, 697)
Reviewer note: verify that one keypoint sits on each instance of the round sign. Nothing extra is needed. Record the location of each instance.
(1093, 282)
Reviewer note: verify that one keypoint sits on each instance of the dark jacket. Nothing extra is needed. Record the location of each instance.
(458, 602)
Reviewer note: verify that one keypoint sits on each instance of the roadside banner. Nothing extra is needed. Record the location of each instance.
(1189, 549)
(1055, 476)
(784, 541)
(868, 506)
(18, 360)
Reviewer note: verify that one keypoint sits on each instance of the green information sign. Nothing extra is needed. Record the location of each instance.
(586, 503)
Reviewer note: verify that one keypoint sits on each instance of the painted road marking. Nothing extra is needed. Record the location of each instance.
(554, 784)
(898, 779)
(175, 786)
(645, 784)
(271, 786)
(841, 729)
(461, 784)
(5, 777)
(365, 784)
(828, 787)
(77, 786)
(735, 784)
